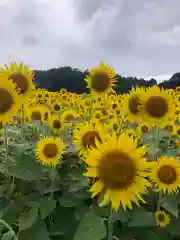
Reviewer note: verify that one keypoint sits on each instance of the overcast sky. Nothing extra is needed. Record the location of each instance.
(138, 37)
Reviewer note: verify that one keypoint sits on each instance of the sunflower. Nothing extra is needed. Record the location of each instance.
(35, 113)
(69, 115)
(119, 167)
(22, 76)
(9, 100)
(49, 151)
(157, 106)
(86, 136)
(165, 173)
(162, 218)
(101, 78)
(55, 123)
(130, 105)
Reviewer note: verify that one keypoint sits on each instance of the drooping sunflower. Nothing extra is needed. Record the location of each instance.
(157, 106)
(130, 105)
(22, 76)
(165, 173)
(119, 167)
(10, 102)
(86, 135)
(162, 218)
(101, 78)
(49, 151)
(69, 115)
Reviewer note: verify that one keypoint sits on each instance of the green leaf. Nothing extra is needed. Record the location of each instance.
(149, 235)
(29, 217)
(81, 211)
(91, 228)
(173, 228)
(26, 168)
(38, 231)
(170, 204)
(141, 217)
(69, 200)
(123, 216)
(46, 206)
(7, 236)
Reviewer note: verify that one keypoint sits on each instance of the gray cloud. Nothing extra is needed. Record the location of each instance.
(139, 37)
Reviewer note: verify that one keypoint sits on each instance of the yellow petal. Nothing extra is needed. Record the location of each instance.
(97, 188)
(91, 172)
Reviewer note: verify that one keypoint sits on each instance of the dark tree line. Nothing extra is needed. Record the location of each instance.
(73, 80)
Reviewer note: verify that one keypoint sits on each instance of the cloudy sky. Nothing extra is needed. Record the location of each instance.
(138, 37)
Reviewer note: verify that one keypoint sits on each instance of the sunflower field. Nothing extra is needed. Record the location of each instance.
(96, 166)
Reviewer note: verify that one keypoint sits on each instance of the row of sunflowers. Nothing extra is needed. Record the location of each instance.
(88, 166)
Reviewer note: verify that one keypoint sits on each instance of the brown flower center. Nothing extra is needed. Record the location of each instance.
(100, 82)
(156, 106)
(115, 126)
(46, 116)
(134, 104)
(56, 107)
(114, 106)
(144, 129)
(167, 174)
(117, 170)
(35, 115)
(50, 150)
(21, 82)
(160, 217)
(6, 100)
(169, 128)
(178, 131)
(56, 124)
(89, 139)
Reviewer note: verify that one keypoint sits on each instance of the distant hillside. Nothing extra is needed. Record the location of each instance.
(73, 80)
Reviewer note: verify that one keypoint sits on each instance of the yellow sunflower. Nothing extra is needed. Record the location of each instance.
(130, 105)
(101, 78)
(162, 218)
(86, 135)
(119, 167)
(49, 151)
(55, 123)
(22, 76)
(9, 100)
(35, 113)
(165, 173)
(157, 106)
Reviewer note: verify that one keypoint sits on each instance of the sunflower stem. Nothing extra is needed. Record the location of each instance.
(53, 177)
(9, 228)
(7, 162)
(157, 146)
(110, 224)
(22, 121)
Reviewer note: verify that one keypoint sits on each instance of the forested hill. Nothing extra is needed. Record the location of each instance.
(73, 80)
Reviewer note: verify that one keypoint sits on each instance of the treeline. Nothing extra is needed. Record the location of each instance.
(73, 80)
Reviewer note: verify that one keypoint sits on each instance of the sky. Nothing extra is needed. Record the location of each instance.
(137, 37)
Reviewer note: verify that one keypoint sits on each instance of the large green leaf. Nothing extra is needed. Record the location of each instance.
(7, 236)
(173, 228)
(170, 204)
(69, 200)
(26, 168)
(46, 206)
(29, 217)
(38, 231)
(91, 228)
(141, 217)
(123, 216)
